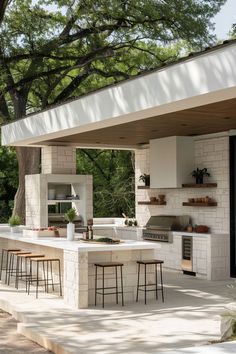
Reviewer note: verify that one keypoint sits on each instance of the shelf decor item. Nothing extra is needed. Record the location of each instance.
(70, 216)
(131, 222)
(145, 178)
(14, 221)
(199, 174)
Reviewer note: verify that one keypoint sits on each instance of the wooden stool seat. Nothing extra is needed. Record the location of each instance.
(151, 261)
(109, 264)
(46, 259)
(17, 253)
(11, 249)
(146, 286)
(104, 265)
(30, 255)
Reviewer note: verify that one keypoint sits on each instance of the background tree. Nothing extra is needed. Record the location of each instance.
(51, 50)
(233, 31)
(113, 180)
(8, 181)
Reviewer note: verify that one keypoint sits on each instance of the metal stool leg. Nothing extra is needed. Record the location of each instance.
(17, 272)
(122, 290)
(7, 264)
(26, 276)
(103, 287)
(156, 281)
(138, 282)
(37, 280)
(44, 277)
(162, 289)
(116, 287)
(30, 277)
(59, 269)
(52, 276)
(96, 280)
(10, 270)
(145, 284)
(2, 254)
(47, 276)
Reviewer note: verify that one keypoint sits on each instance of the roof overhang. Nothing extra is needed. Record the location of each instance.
(193, 97)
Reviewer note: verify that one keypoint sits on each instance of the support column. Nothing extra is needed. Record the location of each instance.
(76, 279)
(142, 165)
(58, 160)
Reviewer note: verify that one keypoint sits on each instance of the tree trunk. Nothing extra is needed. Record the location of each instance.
(29, 163)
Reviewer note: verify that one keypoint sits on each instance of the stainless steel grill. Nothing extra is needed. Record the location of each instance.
(160, 227)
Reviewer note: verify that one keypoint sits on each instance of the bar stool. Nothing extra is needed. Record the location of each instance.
(13, 259)
(140, 287)
(19, 266)
(5, 252)
(104, 265)
(49, 261)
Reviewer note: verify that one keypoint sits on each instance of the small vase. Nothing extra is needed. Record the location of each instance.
(199, 180)
(70, 231)
(147, 181)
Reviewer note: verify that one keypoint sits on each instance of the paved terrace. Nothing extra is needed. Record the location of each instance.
(189, 317)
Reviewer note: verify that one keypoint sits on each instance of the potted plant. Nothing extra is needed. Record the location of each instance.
(131, 222)
(70, 216)
(199, 174)
(145, 178)
(14, 221)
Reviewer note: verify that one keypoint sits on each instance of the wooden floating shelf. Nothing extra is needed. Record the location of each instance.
(53, 201)
(204, 185)
(143, 187)
(151, 203)
(210, 204)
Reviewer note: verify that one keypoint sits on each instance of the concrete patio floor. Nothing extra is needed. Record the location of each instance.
(189, 317)
(12, 342)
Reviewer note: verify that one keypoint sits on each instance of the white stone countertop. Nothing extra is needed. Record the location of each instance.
(78, 245)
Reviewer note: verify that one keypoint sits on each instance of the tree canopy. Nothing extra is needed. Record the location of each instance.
(53, 50)
(49, 48)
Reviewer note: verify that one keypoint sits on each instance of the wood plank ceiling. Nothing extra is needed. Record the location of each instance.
(212, 118)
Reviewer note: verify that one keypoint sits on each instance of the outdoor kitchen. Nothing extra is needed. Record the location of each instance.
(181, 221)
(190, 222)
(193, 238)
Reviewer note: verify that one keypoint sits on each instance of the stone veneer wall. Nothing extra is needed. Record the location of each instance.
(212, 153)
(36, 192)
(59, 160)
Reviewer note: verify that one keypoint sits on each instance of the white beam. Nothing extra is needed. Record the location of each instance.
(204, 79)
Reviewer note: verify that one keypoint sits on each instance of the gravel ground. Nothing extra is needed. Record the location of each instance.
(13, 343)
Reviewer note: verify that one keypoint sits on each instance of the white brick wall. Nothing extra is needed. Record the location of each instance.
(211, 153)
(58, 159)
(210, 257)
(37, 186)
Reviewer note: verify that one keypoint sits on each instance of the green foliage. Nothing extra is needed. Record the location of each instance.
(232, 32)
(51, 50)
(113, 180)
(199, 173)
(70, 215)
(8, 181)
(145, 178)
(14, 220)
